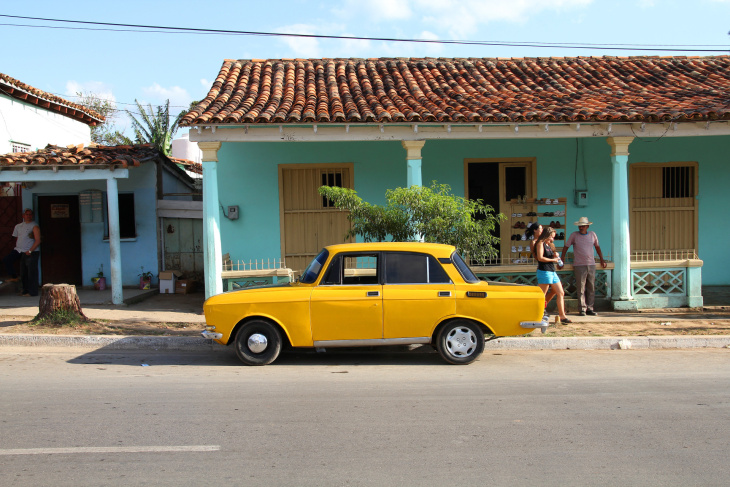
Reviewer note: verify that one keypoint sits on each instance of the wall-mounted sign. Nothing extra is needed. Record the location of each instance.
(59, 211)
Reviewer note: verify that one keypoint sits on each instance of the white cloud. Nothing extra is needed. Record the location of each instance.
(462, 18)
(179, 97)
(305, 47)
(376, 10)
(98, 88)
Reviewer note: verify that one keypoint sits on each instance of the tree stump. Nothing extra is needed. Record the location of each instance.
(57, 298)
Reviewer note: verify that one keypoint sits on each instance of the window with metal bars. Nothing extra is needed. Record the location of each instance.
(677, 182)
(330, 178)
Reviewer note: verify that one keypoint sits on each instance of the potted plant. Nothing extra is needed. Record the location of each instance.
(145, 279)
(99, 281)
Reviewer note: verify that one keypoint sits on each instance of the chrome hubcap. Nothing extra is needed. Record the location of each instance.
(257, 343)
(461, 342)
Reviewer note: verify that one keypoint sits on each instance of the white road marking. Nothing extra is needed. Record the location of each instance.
(109, 449)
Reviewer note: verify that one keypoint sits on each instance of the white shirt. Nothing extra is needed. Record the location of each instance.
(24, 232)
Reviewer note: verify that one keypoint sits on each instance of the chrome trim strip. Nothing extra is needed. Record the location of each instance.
(374, 342)
(211, 335)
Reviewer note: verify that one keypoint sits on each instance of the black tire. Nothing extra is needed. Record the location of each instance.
(258, 343)
(460, 342)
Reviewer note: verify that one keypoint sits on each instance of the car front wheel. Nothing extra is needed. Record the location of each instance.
(258, 343)
(460, 342)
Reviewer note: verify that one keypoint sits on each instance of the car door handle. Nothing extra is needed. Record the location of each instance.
(373, 293)
(444, 294)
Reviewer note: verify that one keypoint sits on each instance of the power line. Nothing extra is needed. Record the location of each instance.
(194, 30)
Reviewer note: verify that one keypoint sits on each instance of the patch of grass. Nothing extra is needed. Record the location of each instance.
(59, 318)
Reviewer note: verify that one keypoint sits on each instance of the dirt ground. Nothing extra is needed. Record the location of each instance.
(716, 324)
(22, 325)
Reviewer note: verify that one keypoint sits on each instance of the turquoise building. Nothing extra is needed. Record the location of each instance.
(637, 145)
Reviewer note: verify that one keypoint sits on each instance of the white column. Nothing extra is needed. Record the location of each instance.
(212, 256)
(115, 255)
(621, 239)
(413, 160)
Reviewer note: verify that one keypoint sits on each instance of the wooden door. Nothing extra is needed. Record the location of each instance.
(11, 213)
(664, 210)
(309, 221)
(58, 218)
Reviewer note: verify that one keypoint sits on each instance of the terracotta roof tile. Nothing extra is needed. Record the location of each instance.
(78, 156)
(21, 91)
(474, 90)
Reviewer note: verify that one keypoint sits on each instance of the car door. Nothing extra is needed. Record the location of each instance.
(348, 302)
(417, 295)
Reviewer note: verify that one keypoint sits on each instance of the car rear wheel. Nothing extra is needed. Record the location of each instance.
(258, 343)
(460, 342)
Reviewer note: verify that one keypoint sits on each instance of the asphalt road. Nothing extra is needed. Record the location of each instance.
(568, 418)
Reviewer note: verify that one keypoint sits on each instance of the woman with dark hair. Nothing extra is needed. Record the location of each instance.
(547, 278)
(533, 233)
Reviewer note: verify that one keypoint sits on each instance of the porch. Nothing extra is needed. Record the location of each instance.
(660, 279)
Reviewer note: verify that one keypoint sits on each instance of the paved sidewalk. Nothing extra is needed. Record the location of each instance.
(150, 307)
(140, 306)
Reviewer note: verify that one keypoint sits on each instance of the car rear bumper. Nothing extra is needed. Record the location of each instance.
(543, 325)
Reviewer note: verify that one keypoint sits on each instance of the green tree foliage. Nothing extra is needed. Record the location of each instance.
(105, 133)
(154, 126)
(430, 212)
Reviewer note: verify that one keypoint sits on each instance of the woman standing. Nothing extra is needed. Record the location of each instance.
(533, 233)
(547, 278)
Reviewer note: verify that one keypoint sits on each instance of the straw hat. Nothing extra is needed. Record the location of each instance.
(583, 221)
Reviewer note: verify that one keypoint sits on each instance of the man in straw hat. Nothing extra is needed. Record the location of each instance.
(584, 264)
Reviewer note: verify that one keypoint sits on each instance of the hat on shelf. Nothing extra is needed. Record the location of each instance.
(583, 221)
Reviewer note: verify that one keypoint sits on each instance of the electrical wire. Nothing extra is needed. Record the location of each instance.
(194, 30)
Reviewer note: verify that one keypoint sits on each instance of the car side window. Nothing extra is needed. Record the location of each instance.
(334, 272)
(360, 269)
(410, 268)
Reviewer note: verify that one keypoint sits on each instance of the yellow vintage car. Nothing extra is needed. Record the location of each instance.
(369, 294)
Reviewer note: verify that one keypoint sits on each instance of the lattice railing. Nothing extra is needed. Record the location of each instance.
(566, 278)
(663, 255)
(659, 281)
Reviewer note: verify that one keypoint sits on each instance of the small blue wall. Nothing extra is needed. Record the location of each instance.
(135, 253)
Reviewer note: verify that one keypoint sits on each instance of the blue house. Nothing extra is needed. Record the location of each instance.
(638, 145)
(118, 209)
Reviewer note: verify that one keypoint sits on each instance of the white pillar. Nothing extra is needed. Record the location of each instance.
(621, 239)
(413, 160)
(115, 255)
(212, 256)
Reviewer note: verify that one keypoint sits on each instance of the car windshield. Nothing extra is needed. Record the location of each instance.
(464, 270)
(312, 271)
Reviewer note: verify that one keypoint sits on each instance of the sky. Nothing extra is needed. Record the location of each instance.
(151, 67)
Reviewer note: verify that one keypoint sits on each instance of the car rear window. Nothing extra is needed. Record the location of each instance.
(463, 269)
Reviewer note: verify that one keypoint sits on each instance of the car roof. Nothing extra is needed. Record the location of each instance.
(438, 250)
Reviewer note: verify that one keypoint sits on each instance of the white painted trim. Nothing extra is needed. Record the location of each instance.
(400, 132)
(47, 174)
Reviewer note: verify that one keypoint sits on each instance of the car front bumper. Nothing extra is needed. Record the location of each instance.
(212, 335)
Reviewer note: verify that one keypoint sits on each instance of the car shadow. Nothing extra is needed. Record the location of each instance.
(226, 356)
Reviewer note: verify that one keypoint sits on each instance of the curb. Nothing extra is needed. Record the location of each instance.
(113, 342)
(109, 342)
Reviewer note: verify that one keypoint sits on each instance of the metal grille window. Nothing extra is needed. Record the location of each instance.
(677, 182)
(330, 178)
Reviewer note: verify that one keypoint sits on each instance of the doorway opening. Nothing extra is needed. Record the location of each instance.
(497, 182)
